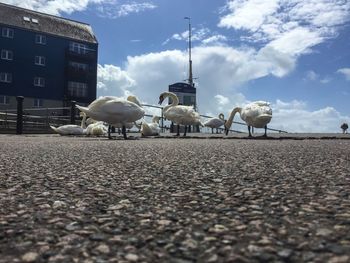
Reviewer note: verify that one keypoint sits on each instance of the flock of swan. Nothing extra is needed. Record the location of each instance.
(123, 113)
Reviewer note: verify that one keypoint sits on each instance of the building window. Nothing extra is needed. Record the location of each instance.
(77, 89)
(39, 82)
(6, 54)
(4, 100)
(5, 77)
(40, 39)
(40, 60)
(38, 103)
(78, 66)
(78, 48)
(7, 32)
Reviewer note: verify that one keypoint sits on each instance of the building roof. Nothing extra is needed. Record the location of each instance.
(45, 23)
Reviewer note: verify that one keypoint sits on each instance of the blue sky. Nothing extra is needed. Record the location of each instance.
(292, 53)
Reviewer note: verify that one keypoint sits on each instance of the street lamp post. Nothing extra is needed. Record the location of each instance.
(190, 76)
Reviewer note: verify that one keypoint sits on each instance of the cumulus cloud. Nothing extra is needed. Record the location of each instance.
(107, 8)
(148, 75)
(295, 117)
(113, 80)
(221, 71)
(222, 100)
(290, 26)
(345, 72)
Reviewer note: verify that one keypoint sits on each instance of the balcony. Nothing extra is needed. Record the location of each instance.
(85, 55)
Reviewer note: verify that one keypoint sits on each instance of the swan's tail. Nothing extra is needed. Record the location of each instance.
(265, 118)
(54, 128)
(83, 109)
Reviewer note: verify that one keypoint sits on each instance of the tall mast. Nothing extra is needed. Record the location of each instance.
(190, 76)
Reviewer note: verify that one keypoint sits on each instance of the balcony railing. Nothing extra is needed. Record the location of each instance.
(86, 54)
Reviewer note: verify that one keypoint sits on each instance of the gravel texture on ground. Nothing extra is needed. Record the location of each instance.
(75, 199)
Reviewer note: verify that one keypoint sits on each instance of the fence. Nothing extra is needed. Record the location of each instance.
(38, 120)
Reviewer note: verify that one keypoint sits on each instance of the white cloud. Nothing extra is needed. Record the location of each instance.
(345, 72)
(54, 7)
(113, 80)
(107, 8)
(248, 15)
(294, 117)
(296, 41)
(202, 35)
(290, 26)
(215, 40)
(217, 91)
(222, 100)
(221, 71)
(196, 35)
(311, 75)
(114, 9)
(325, 80)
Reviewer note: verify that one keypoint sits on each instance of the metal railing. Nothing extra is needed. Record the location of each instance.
(38, 120)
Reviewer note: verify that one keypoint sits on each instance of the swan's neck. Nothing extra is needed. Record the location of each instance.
(155, 119)
(221, 116)
(174, 99)
(82, 125)
(232, 115)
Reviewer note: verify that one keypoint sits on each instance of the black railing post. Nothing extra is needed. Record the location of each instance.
(162, 120)
(72, 112)
(19, 124)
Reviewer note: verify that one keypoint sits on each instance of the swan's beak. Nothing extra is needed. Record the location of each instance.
(161, 98)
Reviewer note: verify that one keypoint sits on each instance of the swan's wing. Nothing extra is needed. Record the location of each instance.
(185, 115)
(119, 107)
(100, 101)
(180, 111)
(256, 109)
(214, 123)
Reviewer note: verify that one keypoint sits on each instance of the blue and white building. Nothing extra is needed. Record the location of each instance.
(47, 59)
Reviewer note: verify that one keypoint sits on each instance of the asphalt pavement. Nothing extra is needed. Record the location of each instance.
(85, 199)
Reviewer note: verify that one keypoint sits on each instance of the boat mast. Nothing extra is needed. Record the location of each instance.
(190, 76)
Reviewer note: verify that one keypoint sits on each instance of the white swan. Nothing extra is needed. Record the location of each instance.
(179, 114)
(114, 110)
(257, 114)
(96, 129)
(71, 129)
(215, 122)
(151, 129)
